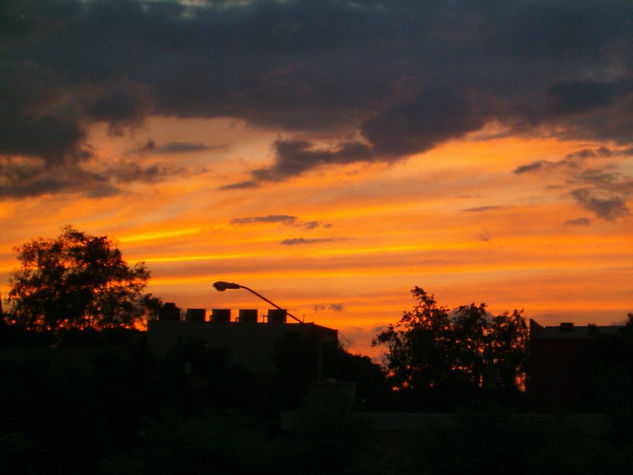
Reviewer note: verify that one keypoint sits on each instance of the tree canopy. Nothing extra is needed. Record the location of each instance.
(434, 347)
(76, 280)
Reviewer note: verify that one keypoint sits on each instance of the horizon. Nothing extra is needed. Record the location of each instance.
(332, 157)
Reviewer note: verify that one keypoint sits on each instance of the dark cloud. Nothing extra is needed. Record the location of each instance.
(28, 178)
(170, 147)
(21, 179)
(484, 235)
(578, 97)
(400, 77)
(120, 105)
(336, 307)
(578, 222)
(300, 241)
(273, 218)
(481, 209)
(128, 172)
(179, 147)
(570, 162)
(596, 176)
(281, 218)
(437, 113)
(294, 157)
(242, 185)
(591, 153)
(530, 167)
(574, 160)
(603, 203)
(603, 191)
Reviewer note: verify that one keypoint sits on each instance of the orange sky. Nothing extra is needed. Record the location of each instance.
(342, 245)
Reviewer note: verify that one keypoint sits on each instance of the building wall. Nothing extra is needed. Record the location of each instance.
(557, 373)
(251, 344)
(560, 365)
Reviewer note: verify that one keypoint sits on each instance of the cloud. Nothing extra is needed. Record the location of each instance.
(604, 204)
(399, 77)
(481, 209)
(22, 178)
(603, 190)
(569, 162)
(530, 167)
(243, 185)
(484, 235)
(301, 241)
(295, 157)
(29, 178)
(273, 218)
(572, 160)
(591, 153)
(577, 97)
(170, 147)
(336, 307)
(282, 219)
(127, 172)
(578, 222)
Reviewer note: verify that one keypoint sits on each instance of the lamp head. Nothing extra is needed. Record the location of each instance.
(221, 286)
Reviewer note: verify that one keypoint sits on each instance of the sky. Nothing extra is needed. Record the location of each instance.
(331, 155)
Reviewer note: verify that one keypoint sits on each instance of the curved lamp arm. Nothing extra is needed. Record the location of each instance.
(221, 286)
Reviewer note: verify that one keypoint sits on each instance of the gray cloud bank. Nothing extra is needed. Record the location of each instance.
(403, 75)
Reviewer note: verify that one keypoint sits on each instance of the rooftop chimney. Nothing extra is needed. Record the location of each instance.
(196, 315)
(566, 327)
(277, 315)
(247, 315)
(221, 315)
(169, 311)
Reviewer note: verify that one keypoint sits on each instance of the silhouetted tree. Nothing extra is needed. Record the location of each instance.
(433, 347)
(76, 280)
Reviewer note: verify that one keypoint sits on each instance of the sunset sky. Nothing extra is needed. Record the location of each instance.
(331, 155)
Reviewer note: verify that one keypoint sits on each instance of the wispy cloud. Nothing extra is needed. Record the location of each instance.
(592, 179)
(578, 222)
(481, 209)
(302, 241)
(242, 185)
(603, 203)
(336, 307)
(282, 219)
(170, 147)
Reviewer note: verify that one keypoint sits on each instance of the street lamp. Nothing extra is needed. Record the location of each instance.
(221, 286)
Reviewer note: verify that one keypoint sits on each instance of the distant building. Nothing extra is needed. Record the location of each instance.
(559, 367)
(251, 340)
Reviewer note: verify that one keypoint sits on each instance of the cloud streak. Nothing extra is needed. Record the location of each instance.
(170, 147)
(304, 241)
(281, 219)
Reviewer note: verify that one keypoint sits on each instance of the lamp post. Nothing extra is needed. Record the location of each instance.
(221, 286)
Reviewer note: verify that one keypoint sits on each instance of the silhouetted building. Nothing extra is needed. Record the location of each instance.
(169, 311)
(251, 342)
(559, 366)
(196, 315)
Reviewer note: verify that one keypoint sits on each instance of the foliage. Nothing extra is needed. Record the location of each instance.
(433, 347)
(76, 280)
(296, 358)
(493, 440)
